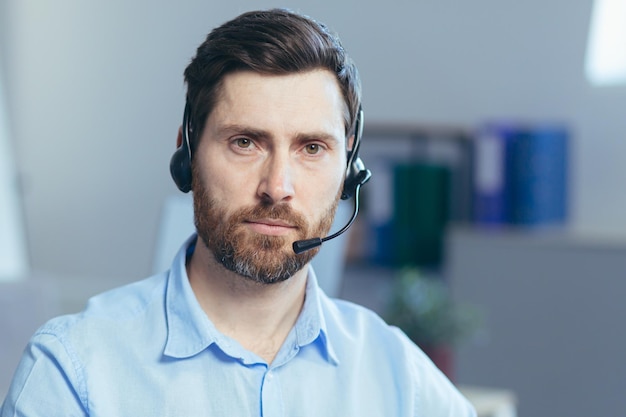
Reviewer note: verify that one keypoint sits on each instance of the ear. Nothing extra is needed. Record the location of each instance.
(350, 143)
(179, 138)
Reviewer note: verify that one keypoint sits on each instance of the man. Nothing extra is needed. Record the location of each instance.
(238, 325)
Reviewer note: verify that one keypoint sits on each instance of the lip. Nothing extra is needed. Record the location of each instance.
(272, 227)
(271, 222)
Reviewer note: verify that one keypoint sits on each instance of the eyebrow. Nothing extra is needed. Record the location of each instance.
(233, 129)
(245, 130)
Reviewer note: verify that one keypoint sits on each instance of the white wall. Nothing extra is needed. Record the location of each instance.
(96, 96)
(13, 261)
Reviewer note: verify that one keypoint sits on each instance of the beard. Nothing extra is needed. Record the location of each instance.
(260, 258)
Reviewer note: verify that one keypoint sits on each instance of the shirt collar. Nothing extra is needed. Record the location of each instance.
(190, 331)
(311, 324)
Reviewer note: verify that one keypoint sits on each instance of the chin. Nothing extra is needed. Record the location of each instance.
(265, 259)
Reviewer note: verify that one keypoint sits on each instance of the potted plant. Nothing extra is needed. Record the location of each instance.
(422, 307)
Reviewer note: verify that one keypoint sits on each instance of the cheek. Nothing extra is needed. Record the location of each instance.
(221, 179)
(323, 189)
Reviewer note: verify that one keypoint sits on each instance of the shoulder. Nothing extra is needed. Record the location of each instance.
(68, 352)
(358, 333)
(366, 344)
(349, 316)
(129, 299)
(115, 307)
(348, 321)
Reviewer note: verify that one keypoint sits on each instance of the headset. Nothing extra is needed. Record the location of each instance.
(356, 175)
(180, 163)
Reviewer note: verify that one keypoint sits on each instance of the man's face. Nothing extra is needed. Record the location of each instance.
(269, 169)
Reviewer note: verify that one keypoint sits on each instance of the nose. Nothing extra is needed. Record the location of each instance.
(276, 182)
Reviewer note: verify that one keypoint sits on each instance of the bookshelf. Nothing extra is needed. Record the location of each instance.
(422, 180)
(427, 178)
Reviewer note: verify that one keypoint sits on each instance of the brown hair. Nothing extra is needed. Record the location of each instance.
(276, 42)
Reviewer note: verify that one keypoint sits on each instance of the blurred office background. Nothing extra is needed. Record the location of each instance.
(93, 96)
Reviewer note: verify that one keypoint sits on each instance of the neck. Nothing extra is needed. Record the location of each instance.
(259, 316)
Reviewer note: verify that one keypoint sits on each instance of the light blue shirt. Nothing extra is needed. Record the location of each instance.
(148, 349)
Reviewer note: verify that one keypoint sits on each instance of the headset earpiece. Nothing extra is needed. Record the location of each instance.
(356, 173)
(180, 164)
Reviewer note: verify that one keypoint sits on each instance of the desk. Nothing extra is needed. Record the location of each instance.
(490, 402)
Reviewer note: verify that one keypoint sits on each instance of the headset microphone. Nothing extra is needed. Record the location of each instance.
(300, 246)
(356, 176)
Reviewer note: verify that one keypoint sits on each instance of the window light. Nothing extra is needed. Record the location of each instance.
(606, 48)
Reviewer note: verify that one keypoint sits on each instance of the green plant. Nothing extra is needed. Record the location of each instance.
(423, 308)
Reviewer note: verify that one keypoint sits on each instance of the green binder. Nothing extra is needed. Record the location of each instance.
(421, 213)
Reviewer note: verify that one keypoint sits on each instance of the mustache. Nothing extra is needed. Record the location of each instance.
(282, 212)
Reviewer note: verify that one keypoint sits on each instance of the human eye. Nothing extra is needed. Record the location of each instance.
(313, 148)
(242, 142)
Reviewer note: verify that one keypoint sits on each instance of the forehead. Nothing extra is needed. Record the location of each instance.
(297, 101)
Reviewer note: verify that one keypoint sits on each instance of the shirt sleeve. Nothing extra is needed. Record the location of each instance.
(439, 397)
(435, 395)
(46, 382)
